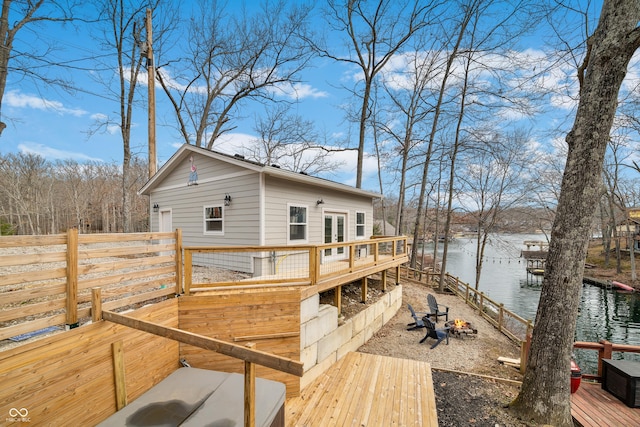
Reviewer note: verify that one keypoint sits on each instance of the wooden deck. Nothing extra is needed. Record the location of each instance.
(591, 406)
(367, 390)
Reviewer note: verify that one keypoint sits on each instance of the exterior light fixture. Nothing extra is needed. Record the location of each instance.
(320, 202)
(156, 207)
(227, 199)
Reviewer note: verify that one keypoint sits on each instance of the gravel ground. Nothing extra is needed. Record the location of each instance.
(461, 399)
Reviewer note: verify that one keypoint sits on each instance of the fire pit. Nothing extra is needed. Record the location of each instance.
(461, 328)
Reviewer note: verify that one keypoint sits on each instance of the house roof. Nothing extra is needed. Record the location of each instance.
(187, 149)
(623, 222)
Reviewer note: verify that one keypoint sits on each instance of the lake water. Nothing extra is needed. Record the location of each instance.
(604, 313)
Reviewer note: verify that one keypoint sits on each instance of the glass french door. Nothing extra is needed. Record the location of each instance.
(334, 232)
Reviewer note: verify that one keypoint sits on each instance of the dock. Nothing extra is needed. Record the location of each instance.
(591, 406)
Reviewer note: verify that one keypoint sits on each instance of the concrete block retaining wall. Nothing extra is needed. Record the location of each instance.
(323, 342)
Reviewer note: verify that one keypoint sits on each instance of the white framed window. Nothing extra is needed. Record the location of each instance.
(360, 225)
(213, 220)
(297, 224)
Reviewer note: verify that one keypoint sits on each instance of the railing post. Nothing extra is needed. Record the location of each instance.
(249, 391)
(188, 271)
(72, 279)
(604, 353)
(96, 304)
(466, 292)
(500, 317)
(352, 257)
(314, 265)
(178, 250)
(376, 251)
(481, 304)
(524, 352)
(117, 357)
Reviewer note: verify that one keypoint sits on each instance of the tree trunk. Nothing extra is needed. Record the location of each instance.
(631, 246)
(545, 394)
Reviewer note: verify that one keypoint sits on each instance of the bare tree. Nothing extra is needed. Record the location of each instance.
(619, 193)
(26, 192)
(289, 141)
(124, 24)
(452, 54)
(495, 179)
(375, 32)
(77, 191)
(233, 60)
(16, 15)
(41, 197)
(408, 111)
(544, 397)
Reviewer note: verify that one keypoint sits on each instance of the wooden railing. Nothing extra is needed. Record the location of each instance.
(46, 281)
(509, 323)
(605, 350)
(513, 326)
(246, 353)
(207, 267)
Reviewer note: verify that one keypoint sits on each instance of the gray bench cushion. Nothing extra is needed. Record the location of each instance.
(198, 397)
(226, 406)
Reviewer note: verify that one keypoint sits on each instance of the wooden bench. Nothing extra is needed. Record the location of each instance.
(197, 397)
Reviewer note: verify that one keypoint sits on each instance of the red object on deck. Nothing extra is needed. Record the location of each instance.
(576, 376)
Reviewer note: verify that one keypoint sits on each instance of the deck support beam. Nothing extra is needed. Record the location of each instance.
(365, 285)
(337, 298)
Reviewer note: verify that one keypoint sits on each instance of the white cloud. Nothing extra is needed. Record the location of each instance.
(346, 161)
(233, 143)
(16, 99)
(50, 153)
(299, 91)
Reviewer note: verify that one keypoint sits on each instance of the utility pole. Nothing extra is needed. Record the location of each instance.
(152, 95)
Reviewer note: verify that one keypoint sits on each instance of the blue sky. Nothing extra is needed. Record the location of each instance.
(57, 125)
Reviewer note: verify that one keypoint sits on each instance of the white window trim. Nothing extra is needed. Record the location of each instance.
(306, 224)
(204, 220)
(364, 225)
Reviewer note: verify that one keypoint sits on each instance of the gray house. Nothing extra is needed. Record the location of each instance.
(223, 200)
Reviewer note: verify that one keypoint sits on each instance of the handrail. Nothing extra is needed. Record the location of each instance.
(306, 265)
(262, 358)
(495, 313)
(605, 350)
(247, 353)
(509, 323)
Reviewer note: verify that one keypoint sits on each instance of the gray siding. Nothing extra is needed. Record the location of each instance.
(215, 179)
(280, 193)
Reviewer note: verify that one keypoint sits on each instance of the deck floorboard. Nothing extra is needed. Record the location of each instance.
(591, 406)
(366, 389)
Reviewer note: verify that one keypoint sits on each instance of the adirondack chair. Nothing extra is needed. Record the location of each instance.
(435, 309)
(417, 323)
(438, 334)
